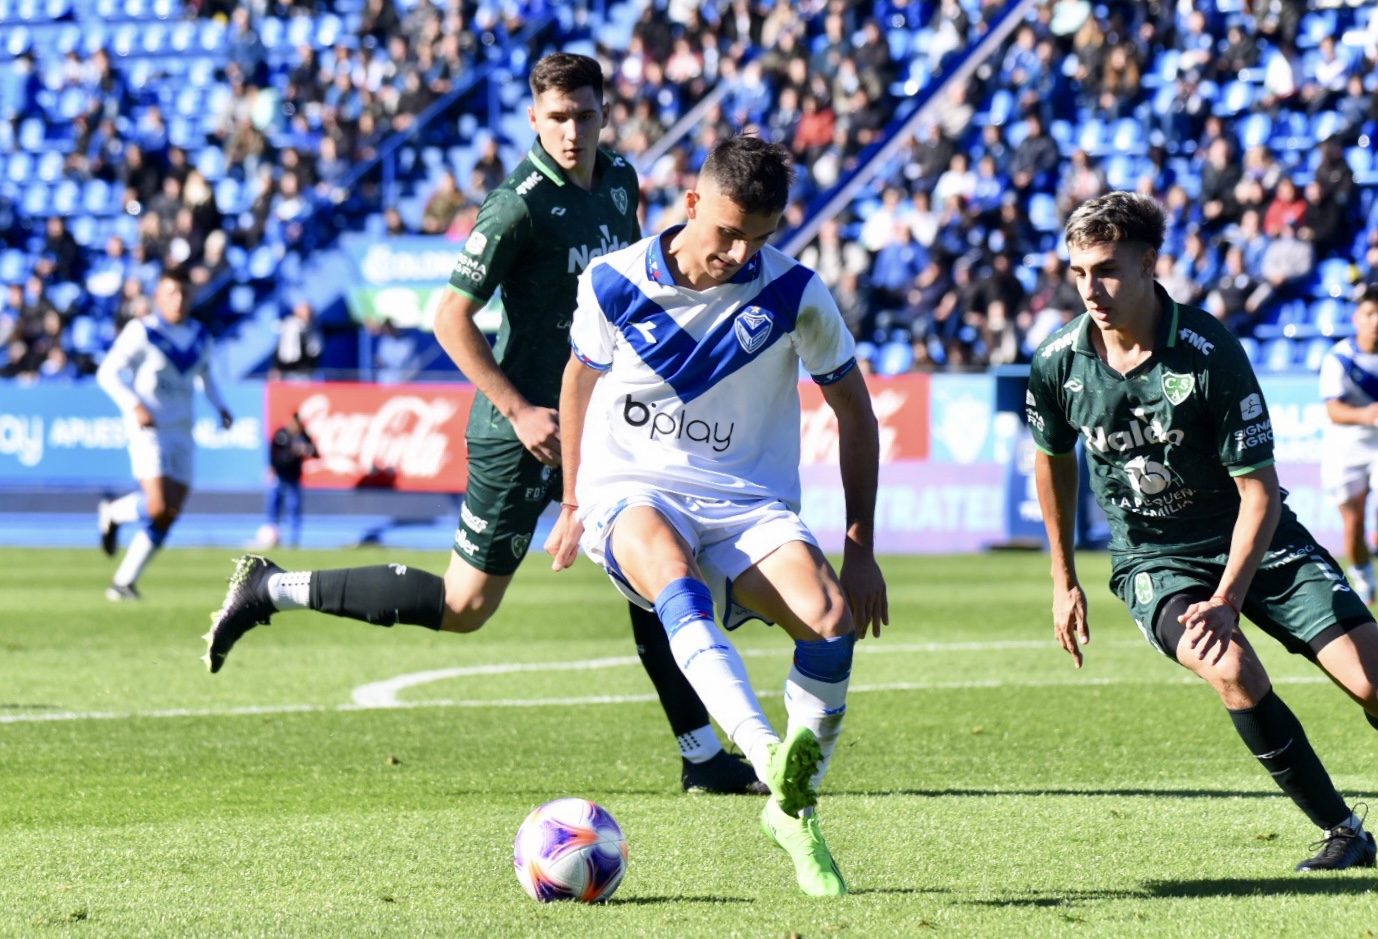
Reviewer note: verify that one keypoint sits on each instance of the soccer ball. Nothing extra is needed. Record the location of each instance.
(570, 849)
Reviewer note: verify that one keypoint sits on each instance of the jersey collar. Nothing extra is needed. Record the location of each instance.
(1167, 326)
(555, 173)
(658, 269)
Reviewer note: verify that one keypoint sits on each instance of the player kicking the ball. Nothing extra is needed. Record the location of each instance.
(680, 410)
(1180, 446)
(567, 202)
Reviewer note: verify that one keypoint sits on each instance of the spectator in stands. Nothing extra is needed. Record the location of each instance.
(1120, 82)
(107, 92)
(1033, 165)
(394, 225)
(923, 218)
(831, 256)
(394, 354)
(1325, 223)
(206, 217)
(299, 345)
(1282, 77)
(1328, 76)
(895, 267)
(1240, 52)
(244, 48)
(855, 303)
(1335, 175)
(1262, 164)
(1231, 298)
(489, 170)
(1080, 181)
(1286, 210)
(1248, 236)
(931, 157)
(140, 178)
(1287, 262)
(331, 171)
(1185, 116)
(288, 452)
(1355, 108)
(879, 228)
(1219, 176)
(212, 264)
(62, 259)
(443, 205)
(814, 132)
(1279, 21)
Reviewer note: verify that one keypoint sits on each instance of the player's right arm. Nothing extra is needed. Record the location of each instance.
(124, 357)
(576, 389)
(1056, 481)
(537, 428)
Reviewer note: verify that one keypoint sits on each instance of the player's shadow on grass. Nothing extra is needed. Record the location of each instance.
(658, 901)
(1302, 884)
(1115, 793)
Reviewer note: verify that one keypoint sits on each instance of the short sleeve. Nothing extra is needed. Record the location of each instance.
(1333, 376)
(591, 334)
(1244, 429)
(499, 232)
(822, 340)
(1043, 409)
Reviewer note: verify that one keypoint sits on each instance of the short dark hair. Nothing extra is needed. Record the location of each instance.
(1366, 293)
(177, 275)
(754, 174)
(566, 71)
(1116, 217)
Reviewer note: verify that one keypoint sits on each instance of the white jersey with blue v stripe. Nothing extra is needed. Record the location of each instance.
(159, 364)
(1350, 375)
(700, 392)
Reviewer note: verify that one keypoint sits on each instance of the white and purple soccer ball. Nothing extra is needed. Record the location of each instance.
(570, 849)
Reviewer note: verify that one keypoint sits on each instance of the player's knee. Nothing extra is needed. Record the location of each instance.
(466, 614)
(827, 660)
(163, 517)
(828, 616)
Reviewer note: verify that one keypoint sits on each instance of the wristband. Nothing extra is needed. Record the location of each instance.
(569, 505)
(1228, 602)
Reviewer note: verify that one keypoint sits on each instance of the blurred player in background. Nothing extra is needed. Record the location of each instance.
(1180, 448)
(1349, 451)
(567, 203)
(151, 372)
(288, 452)
(680, 410)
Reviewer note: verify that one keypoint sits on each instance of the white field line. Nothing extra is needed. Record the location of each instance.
(383, 695)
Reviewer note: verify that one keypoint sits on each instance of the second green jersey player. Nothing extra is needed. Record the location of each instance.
(1179, 447)
(567, 203)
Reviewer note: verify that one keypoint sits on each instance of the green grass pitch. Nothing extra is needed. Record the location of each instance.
(983, 787)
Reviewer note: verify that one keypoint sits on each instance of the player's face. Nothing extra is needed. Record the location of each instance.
(172, 300)
(1366, 324)
(1115, 281)
(568, 123)
(723, 235)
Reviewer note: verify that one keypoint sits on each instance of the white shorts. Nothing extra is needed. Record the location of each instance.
(727, 538)
(153, 453)
(1343, 481)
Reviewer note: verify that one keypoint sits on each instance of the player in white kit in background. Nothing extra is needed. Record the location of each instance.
(151, 372)
(1349, 451)
(679, 418)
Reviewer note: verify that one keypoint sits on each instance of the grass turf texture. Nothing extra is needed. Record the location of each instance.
(983, 787)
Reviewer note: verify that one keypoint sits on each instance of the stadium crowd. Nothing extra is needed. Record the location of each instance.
(1253, 123)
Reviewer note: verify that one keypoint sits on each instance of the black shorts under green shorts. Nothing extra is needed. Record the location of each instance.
(508, 490)
(1299, 596)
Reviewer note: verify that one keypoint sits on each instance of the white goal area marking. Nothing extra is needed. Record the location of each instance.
(383, 695)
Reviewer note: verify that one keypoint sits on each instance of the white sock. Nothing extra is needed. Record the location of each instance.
(718, 674)
(136, 558)
(819, 706)
(125, 509)
(699, 746)
(290, 590)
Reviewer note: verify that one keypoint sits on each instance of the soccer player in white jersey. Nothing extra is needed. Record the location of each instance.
(151, 372)
(680, 419)
(1349, 452)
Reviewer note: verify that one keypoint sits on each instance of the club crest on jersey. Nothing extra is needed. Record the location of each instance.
(519, 545)
(753, 328)
(619, 199)
(1178, 387)
(1143, 588)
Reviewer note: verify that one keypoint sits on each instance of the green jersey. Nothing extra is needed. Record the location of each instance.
(534, 235)
(1163, 442)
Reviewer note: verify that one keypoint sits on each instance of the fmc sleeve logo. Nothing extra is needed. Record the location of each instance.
(1178, 388)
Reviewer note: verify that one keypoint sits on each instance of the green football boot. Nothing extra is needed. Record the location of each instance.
(790, 767)
(802, 840)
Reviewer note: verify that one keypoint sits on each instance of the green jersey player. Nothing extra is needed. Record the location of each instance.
(1179, 447)
(567, 203)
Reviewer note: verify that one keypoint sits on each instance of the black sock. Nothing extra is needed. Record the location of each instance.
(1275, 736)
(682, 706)
(383, 594)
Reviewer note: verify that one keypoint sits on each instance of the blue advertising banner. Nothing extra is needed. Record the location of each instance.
(55, 435)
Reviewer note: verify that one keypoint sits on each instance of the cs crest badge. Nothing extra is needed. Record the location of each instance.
(1178, 388)
(619, 199)
(752, 328)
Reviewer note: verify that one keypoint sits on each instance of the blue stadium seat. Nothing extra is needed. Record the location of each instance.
(1330, 316)
(1255, 129)
(20, 167)
(1121, 171)
(65, 196)
(1333, 277)
(63, 295)
(1250, 346)
(228, 196)
(1235, 97)
(866, 351)
(1043, 212)
(1360, 160)
(1001, 106)
(14, 266)
(1314, 351)
(35, 198)
(1324, 125)
(1275, 355)
(895, 358)
(95, 196)
(1128, 136)
(1091, 136)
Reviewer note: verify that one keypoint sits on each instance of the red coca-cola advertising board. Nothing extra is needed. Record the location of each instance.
(901, 404)
(408, 437)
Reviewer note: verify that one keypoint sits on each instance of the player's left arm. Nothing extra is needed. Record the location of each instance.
(859, 456)
(211, 389)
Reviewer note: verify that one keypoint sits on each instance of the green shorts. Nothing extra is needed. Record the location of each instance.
(508, 490)
(1299, 596)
